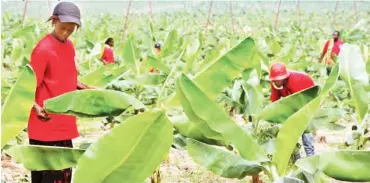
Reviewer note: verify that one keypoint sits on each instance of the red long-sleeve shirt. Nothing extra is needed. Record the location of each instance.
(296, 82)
(335, 49)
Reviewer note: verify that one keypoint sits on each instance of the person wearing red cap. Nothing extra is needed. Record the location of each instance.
(53, 62)
(285, 83)
(335, 49)
(108, 55)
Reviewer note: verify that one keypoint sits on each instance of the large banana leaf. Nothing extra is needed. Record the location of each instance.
(231, 65)
(38, 158)
(17, 106)
(103, 75)
(192, 52)
(353, 71)
(221, 161)
(295, 125)
(128, 153)
(201, 109)
(92, 103)
(279, 111)
(197, 131)
(351, 166)
(170, 42)
(222, 72)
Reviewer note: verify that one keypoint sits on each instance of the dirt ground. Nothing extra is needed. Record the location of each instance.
(181, 168)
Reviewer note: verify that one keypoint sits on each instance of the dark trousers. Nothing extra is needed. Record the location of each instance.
(52, 176)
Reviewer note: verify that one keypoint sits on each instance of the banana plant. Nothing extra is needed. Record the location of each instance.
(219, 159)
(353, 72)
(148, 137)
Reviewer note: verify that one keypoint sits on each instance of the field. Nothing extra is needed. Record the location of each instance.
(208, 105)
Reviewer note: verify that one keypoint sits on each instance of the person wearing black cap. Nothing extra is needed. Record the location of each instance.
(53, 62)
(157, 47)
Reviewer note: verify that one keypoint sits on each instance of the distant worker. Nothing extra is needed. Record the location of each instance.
(108, 55)
(334, 47)
(157, 50)
(285, 83)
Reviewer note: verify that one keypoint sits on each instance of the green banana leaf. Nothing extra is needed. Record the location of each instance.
(351, 166)
(37, 158)
(221, 161)
(170, 42)
(192, 52)
(129, 56)
(325, 119)
(151, 79)
(103, 75)
(92, 103)
(197, 131)
(129, 153)
(201, 109)
(279, 111)
(17, 106)
(158, 64)
(222, 72)
(295, 125)
(353, 71)
(231, 65)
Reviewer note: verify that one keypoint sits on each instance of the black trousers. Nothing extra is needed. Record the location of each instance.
(52, 176)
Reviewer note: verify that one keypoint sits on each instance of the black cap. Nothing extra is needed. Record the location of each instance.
(158, 45)
(67, 12)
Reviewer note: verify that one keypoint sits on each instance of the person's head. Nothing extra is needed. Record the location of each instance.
(158, 46)
(336, 35)
(66, 19)
(278, 75)
(109, 42)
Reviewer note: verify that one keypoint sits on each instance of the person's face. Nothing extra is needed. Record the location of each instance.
(279, 83)
(157, 50)
(63, 29)
(335, 36)
(111, 43)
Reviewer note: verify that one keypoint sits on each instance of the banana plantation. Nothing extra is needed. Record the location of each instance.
(204, 114)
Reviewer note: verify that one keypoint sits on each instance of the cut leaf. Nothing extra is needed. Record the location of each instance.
(92, 103)
(17, 106)
(38, 158)
(130, 152)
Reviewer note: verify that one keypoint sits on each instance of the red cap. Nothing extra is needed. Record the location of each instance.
(278, 71)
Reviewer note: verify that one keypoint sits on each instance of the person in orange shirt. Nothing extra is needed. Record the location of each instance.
(157, 48)
(335, 49)
(108, 55)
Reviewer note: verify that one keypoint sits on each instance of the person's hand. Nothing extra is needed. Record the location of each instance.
(41, 113)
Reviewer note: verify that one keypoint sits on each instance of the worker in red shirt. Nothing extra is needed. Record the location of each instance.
(285, 83)
(335, 47)
(53, 62)
(157, 50)
(108, 55)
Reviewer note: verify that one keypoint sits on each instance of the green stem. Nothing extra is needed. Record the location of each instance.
(164, 86)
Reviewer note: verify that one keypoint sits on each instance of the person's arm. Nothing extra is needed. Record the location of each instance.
(81, 86)
(39, 64)
(326, 46)
(274, 94)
